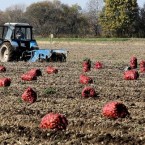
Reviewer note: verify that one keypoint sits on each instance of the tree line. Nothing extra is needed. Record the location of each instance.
(108, 18)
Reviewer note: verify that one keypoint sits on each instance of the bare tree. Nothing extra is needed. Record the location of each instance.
(2, 17)
(15, 13)
(93, 9)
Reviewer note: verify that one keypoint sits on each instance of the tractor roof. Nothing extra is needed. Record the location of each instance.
(16, 24)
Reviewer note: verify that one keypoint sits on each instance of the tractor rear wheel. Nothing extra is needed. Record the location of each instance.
(6, 52)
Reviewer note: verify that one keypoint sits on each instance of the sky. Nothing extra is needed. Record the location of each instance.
(7, 3)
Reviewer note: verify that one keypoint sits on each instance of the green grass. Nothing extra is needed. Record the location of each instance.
(82, 39)
(48, 91)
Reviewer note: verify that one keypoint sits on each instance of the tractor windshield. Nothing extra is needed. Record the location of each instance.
(23, 33)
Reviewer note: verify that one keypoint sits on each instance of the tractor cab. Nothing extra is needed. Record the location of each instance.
(16, 39)
(17, 32)
(17, 43)
(11, 31)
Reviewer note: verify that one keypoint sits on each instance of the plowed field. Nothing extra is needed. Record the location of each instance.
(61, 93)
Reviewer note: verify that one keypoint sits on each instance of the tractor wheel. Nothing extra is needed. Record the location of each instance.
(6, 52)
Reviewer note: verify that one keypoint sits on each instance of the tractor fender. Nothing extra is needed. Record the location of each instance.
(34, 45)
(14, 44)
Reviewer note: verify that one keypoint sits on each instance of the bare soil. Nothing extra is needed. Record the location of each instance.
(19, 121)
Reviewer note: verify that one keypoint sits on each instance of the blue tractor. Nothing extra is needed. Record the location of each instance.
(17, 43)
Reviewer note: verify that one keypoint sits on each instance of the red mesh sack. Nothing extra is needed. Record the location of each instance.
(54, 121)
(98, 65)
(86, 65)
(28, 77)
(115, 110)
(29, 95)
(85, 79)
(133, 62)
(35, 72)
(88, 92)
(142, 66)
(4, 82)
(131, 75)
(2, 69)
(51, 70)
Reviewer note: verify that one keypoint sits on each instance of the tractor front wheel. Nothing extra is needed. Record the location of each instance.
(6, 52)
